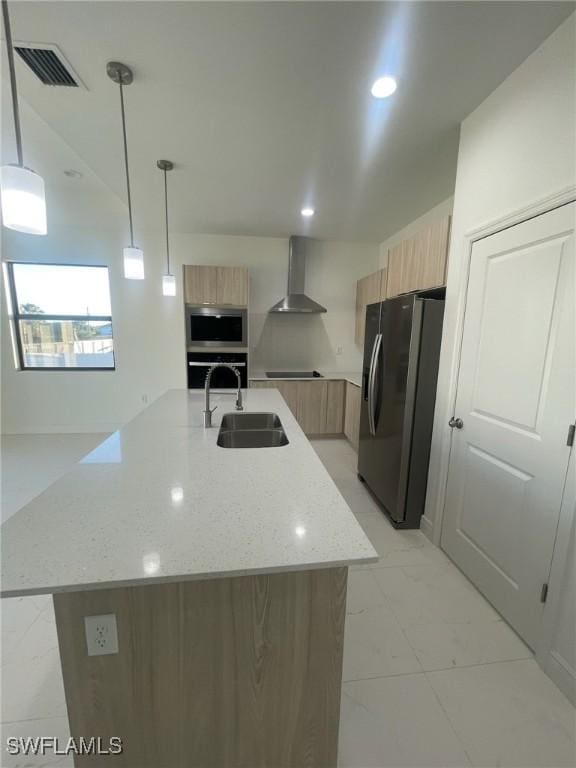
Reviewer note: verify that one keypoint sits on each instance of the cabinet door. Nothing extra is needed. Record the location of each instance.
(368, 291)
(394, 271)
(335, 407)
(359, 316)
(373, 287)
(402, 268)
(433, 267)
(383, 284)
(419, 262)
(232, 286)
(200, 284)
(352, 413)
(312, 406)
(288, 390)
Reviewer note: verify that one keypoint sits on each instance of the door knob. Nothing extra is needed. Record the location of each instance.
(458, 423)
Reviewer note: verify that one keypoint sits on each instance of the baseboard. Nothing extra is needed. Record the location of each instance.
(562, 674)
(426, 526)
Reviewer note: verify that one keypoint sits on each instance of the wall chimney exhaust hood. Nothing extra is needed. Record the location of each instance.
(296, 300)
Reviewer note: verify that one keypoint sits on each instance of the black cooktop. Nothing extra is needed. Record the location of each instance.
(294, 375)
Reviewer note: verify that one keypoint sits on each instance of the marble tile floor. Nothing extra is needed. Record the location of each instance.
(432, 675)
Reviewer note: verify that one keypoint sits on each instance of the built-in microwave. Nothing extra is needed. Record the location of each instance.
(216, 327)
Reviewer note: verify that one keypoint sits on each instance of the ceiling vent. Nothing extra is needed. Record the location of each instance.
(48, 64)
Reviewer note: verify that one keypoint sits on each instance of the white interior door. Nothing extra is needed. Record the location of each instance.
(516, 398)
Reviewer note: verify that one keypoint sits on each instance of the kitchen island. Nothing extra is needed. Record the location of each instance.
(226, 572)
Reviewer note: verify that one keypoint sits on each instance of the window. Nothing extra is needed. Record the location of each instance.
(62, 316)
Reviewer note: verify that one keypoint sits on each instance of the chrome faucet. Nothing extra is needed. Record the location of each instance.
(207, 412)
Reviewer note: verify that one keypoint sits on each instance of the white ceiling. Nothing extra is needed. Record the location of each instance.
(265, 106)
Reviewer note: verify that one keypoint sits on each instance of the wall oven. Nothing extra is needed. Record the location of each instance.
(222, 378)
(216, 327)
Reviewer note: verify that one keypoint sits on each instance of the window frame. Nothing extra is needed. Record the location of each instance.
(16, 316)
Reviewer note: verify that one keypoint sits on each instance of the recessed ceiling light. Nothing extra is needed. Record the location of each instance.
(307, 212)
(383, 87)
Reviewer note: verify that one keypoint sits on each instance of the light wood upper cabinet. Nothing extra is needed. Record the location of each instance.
(352, 413)
(419, 262)
(434, 273)
(369, 290)
(200, 284)
(232, 286)
(222, 286)
(402, 269)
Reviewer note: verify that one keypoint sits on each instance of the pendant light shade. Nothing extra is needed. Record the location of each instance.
(133, 263)
(22, 195)
(169, 285)
(23, 200)
(168, 279)
(133, 256)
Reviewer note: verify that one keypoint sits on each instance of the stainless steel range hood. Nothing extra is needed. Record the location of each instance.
(296, 300)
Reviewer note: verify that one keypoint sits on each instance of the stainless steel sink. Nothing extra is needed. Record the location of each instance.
(251, 430)
(250, 421)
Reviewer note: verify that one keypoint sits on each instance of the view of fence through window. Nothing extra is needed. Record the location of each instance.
(62, 315)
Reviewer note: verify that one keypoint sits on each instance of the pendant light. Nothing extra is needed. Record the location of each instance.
(168, 279)
(21, 190)
(133, 256)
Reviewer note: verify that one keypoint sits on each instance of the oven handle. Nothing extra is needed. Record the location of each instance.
(216, 362)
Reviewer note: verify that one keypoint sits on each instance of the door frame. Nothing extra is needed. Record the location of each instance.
(436, 502)
(544, 205)
(549, 658)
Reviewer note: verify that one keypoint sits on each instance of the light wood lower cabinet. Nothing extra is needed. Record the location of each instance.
(335, 403)
(215, 673)
(288, 390)
(311, 412)
(318, 405)
(352, 413)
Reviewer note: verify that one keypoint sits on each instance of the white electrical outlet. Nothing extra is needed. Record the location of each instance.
(338, 350)
(101, 634)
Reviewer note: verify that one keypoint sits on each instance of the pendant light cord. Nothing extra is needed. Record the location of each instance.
(15, 110)
(166, 210)
(125, 161)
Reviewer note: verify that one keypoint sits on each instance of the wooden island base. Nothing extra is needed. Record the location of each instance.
(238, 672)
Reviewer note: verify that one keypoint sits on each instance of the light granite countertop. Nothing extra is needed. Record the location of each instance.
(352, 376)
(160, 501)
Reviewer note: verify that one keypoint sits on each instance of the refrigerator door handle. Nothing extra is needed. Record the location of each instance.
(370, 377)
(372, 384)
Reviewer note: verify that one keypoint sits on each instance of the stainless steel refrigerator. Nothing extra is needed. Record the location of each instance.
(401, 352)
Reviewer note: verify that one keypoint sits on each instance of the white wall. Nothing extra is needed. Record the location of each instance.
(78, 401)
(149, 328)
(517, 157)
(434, 214)
(516, 149)
(292, 341)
